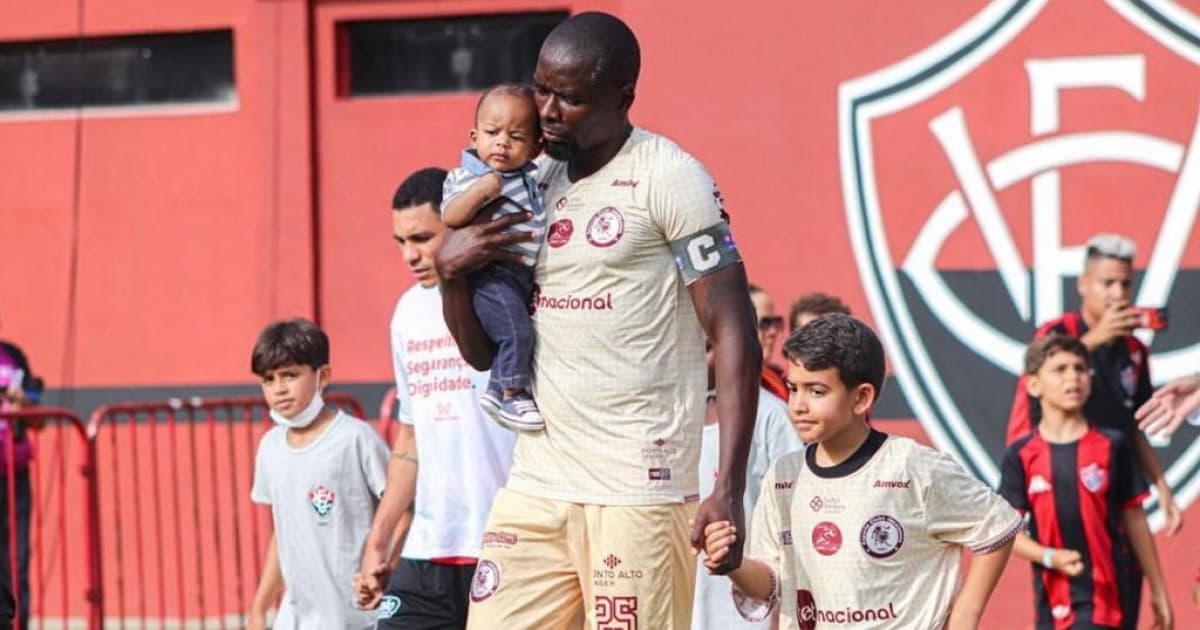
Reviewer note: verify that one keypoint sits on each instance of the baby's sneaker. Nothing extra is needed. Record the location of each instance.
(520, 413)
(490, 403)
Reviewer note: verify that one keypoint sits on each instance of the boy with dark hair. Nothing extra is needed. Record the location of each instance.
(322, 472)
(1083, 491)
(862, 527)
(1120, 362)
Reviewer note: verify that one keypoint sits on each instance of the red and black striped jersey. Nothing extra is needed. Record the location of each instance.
(1120, 382)
(1074, 494)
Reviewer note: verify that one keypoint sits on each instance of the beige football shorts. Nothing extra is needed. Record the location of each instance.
(551, 564)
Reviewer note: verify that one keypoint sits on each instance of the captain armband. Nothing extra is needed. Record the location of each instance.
(705, 252)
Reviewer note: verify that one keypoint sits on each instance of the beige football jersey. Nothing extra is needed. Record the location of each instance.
(618, 365)
(878, 538)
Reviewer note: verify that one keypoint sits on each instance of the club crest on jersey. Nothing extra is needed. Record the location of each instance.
(321, 499)
(606, 227)
(881, 536)
(486, 580)
(1129, 380)
(964, 257)
(1092, 477)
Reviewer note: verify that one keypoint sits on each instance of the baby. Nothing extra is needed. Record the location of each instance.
(505, 139)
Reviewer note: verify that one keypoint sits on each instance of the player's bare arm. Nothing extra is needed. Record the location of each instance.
(1154, 471)
(722, 302)
(981, 580)
(465, 250)
(270, 585)
(378, 553)
(1067, 561)
(461, 210)
(1138, 530)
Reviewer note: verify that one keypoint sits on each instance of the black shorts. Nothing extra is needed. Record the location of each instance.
(423, 595)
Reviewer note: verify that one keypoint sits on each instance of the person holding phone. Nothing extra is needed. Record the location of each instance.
(19, 389)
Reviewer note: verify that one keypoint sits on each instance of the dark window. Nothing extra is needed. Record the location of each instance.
(114, 71)
(440, 55)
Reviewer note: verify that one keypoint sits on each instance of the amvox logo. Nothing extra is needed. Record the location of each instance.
(1033, 126)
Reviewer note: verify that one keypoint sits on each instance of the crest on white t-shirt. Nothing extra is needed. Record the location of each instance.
(321, 500)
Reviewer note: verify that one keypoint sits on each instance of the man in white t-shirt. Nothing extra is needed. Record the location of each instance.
(464, 456)
(774, 437)
(639, 265)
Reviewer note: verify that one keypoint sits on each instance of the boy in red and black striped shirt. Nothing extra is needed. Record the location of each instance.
(1082, 490)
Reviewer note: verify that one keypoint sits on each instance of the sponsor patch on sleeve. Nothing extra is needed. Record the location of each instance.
(707, 251)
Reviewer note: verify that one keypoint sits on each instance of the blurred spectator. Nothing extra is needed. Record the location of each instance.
(19, 389)
(813, 305)
(769, 327)
(1120, 362)
(774, 436)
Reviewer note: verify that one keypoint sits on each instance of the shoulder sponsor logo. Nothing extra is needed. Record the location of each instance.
(880, 483)
(816, 504)
(961, 267)
(605, 227)
(611, 561)
(486, 581)
(560, 233)
(561, 203)
(826, 538)
(1038, 485)
(826, 504)
(783, 485)
(881, 536)
(626, 183)
(1093, 477)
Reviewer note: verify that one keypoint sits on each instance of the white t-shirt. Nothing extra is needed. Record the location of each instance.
(878, 539)
(464, 455)
(774, 436)
(618, 368)
(322, 499)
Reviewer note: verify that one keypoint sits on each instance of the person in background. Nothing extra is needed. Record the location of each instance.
(811, 306)
(774, 436)
(18, 388)
(770, 325)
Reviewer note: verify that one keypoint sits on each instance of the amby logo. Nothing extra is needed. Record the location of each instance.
(1034, 126)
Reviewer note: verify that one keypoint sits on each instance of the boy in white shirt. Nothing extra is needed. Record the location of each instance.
(862, 529)
(322, 472)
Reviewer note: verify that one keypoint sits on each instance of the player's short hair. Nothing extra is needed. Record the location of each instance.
(601, 39)
(1113, 246)
(1045, 347)
(519, 90)
(839, 341)
(422, 187)
(290, 342)
(816, 303)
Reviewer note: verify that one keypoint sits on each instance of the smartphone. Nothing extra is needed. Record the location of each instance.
(1153, 318)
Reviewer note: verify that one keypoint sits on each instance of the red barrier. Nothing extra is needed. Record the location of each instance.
(58, 510)
(189, 547)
